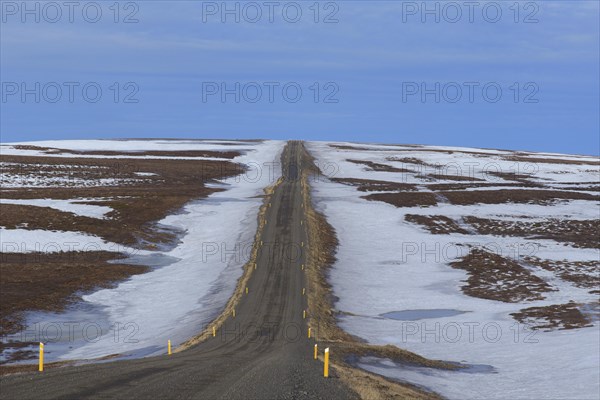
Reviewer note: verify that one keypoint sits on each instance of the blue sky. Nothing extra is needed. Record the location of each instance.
(375, 61)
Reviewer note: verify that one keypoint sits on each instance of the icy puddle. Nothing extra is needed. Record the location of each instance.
(420, 376)
(414, 315)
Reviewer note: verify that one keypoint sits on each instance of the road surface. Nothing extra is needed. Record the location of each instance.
(274, 360)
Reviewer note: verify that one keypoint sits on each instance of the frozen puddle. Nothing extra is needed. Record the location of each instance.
(416, 375)
(386, 363)
(414, 315)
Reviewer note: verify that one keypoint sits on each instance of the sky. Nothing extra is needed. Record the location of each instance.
(504, 74)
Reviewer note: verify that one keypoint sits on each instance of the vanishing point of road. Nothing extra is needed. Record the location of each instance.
(275, 362)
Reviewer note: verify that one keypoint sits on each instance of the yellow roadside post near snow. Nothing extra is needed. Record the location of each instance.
(304, 314)
(233, 313)
(303, 291)
(214, 331)
(302, 267)
(309, 332)
(246, 289)
(326, 365)
(41, 362)
(169, 347)
(254, 265)
(316, 355)
(302, 244)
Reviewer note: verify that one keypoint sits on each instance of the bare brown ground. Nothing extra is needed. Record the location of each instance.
(402, 199)
(358, 148)
(411, 149)
(511, 176)
(50, 282)
(543, 197)
(137, 201)
(373, 166)
(184, 153)
(369, 185)
(321, 248)
(409, 160)
(494, 277)
(556, 316)
(526, 159)
(13, 216)
(436, 224)
(453, 177)
(583, 274)
(577, 187)
(463, 186)
(578, 233)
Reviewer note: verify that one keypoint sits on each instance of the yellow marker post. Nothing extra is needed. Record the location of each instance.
(234, 313)
(326, 365)
(300, 222)
(169, 347)
(304, 314)
(309, 332)
(302, 267)
(41, 362)
(302, 244)
(214, 331)
(254, 265)
(246, 289)
(261, 242)
(303, 291)
(316, 351)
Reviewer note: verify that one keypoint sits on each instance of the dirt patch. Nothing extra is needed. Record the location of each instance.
(535, 160)
(436, 224)
(511, 176)
(405, 199)
(50, 282)
(583, 274)
(153, 153)
(543, 197)
(494, 277)
(137, 201)
(368, 185)
(578, 233)
(474, 185)
(453, 177)
(409, 160)
(578, 187)
(373, 166)
(321, 248)
(13, 216)
(357, 148)
(554, 317)
(140, 191)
